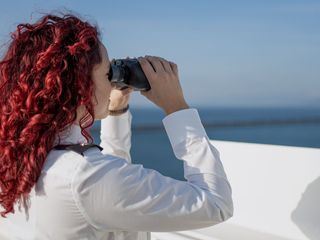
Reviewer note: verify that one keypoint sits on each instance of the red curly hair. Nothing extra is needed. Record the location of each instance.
(44, 76)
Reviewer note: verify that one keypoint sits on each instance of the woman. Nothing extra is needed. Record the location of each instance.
(54, 85)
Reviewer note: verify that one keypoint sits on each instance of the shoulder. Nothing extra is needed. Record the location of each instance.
(98, 165)
(104, 171)
(61, 163)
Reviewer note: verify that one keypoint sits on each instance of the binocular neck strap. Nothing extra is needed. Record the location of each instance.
(78, 148)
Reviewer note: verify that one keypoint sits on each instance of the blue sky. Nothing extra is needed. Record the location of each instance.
(229, 53)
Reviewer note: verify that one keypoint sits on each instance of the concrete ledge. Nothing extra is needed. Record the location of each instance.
(276, 193)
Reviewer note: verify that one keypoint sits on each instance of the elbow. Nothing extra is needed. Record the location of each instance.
(222, 211)
(226, 212)
(226, 209)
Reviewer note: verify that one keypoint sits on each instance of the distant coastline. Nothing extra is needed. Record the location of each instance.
(149, 119)
(315, 120)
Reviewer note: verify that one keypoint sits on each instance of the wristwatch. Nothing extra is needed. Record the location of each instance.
(118, 112)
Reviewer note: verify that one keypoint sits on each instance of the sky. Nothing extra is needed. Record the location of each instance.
(229, 53)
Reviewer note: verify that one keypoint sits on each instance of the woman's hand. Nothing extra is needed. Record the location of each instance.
(166, 91)
(119, 99)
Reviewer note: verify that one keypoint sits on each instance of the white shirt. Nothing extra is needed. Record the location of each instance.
(102, 195)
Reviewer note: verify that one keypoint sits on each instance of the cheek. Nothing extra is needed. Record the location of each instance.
(108, 94)
(104, 90)
(108, 103)
(102, 93)
(107, 98)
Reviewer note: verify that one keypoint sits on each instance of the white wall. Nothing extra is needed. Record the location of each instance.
(276, 192)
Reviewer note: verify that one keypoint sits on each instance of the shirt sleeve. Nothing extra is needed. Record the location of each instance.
(115, 194)
(115, 135)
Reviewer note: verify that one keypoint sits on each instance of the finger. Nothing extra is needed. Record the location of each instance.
(174, 67)
(124, 88)
(166, 65)
(147, 68)
(156, 63)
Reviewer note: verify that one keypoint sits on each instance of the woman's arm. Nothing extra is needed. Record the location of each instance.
(115, 135)
(113, 194)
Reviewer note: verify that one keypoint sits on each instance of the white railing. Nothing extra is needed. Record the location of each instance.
(276, 194)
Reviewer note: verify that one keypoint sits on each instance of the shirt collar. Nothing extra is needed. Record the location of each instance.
(72, 135)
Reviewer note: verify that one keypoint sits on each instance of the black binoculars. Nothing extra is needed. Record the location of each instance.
(126, 73)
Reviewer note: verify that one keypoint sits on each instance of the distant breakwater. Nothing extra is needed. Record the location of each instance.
(238, 123)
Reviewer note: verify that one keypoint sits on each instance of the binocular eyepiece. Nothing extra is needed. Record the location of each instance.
(126, 73)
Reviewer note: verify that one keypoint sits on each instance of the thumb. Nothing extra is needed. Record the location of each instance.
(127, 91)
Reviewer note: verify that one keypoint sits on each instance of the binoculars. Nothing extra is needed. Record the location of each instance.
(126, 73)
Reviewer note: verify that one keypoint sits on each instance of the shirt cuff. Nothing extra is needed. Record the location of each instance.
(120, 116)
(116, 126)
(183, 125)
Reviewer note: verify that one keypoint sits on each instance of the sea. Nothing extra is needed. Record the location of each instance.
(150, 144)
